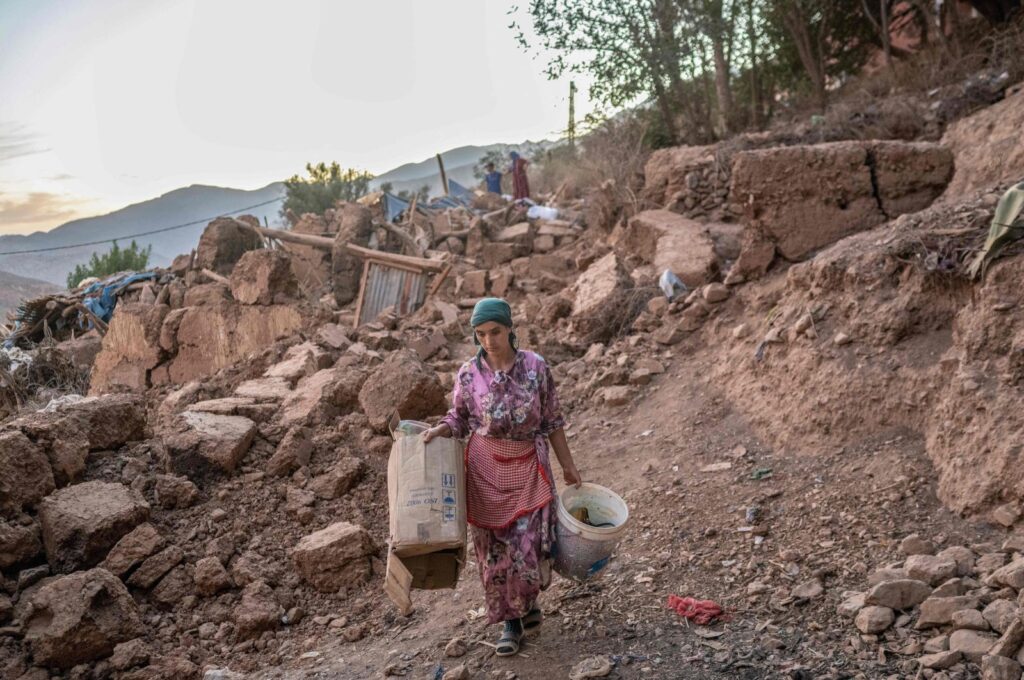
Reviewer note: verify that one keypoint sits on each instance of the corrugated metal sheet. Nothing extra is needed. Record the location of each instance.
(387, 286)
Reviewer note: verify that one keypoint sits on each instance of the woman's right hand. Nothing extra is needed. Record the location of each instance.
(441, 430)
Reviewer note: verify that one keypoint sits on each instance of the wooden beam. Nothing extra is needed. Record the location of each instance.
(444, 177)
(419, 263)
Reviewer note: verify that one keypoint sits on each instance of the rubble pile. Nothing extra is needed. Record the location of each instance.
(953, 610)
(217, 499)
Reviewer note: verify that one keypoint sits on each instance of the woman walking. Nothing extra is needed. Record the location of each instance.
(505, 400)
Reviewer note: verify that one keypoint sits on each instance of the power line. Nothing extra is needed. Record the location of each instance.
(144, 233)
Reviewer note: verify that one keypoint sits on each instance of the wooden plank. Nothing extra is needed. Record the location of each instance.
(398, 583)
(438, 281)
(362, 293)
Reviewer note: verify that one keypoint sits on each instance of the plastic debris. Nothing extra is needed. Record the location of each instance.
(671, 285)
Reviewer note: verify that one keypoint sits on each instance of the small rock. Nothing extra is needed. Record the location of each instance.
(1007, 514)
(460, 672)
(809, 590)
(971, 643)
(715, 292)
(931, 569)
(1000, 614)
(939, 643)
(915, 545)
(940, 660)
(741, 331)
(899, 594)
(594, 667)
(938, 611)
(1011, 641)
(970, 619)
(842, 339)
(455, 648)
(999, 668)
(851, 605)
(872, 620)
(951, 588)
(211, 577)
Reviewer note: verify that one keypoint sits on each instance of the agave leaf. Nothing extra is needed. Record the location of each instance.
(1002, 230)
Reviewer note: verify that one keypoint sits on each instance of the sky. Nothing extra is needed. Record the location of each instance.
(104, 103)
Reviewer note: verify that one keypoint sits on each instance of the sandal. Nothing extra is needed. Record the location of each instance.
(532, 621)
(508, 643)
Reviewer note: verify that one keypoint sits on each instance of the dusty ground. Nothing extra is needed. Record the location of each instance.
(832, 514)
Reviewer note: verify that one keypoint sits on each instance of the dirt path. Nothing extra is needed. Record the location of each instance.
(823, 516)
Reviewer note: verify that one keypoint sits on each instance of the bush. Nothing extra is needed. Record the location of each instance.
(115, 260)
(324, 186)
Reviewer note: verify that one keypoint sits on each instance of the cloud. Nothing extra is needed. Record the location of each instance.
(37, 211)
(16, 141)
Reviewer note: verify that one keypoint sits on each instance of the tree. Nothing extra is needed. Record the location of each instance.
(324, 186)
(830, 38)
(130, 259)
(632, 50)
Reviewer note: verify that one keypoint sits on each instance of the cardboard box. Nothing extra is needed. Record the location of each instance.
(427, 508)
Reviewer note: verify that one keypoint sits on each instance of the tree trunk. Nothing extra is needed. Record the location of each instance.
(810, 58)
(722, 92)
(665, 107)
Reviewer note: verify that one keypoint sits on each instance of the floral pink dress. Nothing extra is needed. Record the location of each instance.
(521, 405)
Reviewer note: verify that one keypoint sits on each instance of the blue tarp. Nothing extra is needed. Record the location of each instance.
(102, 305)
(393, 207)
(459, 192)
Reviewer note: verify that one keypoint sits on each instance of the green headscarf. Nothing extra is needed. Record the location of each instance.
(491, 309)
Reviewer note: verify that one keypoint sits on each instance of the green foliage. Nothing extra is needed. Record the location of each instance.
(706, 67)
(1004, 229)
(117, 259)
(324, 186)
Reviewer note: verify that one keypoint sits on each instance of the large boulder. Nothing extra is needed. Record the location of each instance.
(668, 240)
(404, 384)
(322, 396)
(335, 557)
(80, 618)
(224, 241)
(130, 350)
(263, 277)
(71, 431)
(212, 337)
(200, 442)
(82, 522)
(355, 225)
(598, 293)
(25, 473)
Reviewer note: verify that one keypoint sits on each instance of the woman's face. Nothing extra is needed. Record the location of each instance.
(493, 337)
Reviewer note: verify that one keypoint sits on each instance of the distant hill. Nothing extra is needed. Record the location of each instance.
(14, 288)
(199, 202)
(196, 202)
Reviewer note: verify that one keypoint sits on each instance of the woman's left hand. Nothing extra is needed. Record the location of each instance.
(572, 476)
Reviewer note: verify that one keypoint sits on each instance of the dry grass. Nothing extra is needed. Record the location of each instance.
(51, 373)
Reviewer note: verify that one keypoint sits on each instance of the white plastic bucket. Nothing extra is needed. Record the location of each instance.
(581, 550)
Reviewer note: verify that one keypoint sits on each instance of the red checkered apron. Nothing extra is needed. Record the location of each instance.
(504, 481)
